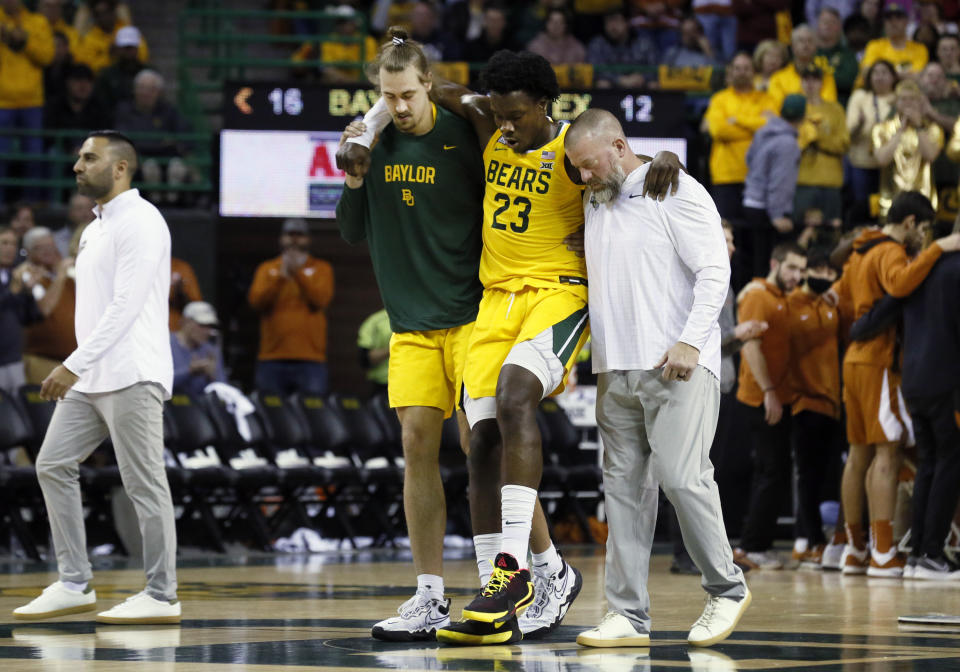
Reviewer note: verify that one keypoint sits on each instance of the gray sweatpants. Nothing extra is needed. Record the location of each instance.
(133, 418)
(659, 432)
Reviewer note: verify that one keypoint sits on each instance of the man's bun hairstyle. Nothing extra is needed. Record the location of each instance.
(398, 53)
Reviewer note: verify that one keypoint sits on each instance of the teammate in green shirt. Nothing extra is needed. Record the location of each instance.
(419, 206)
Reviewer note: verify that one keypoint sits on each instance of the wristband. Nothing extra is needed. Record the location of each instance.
(376, 119)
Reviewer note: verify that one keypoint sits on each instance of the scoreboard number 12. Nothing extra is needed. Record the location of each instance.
(637, 108)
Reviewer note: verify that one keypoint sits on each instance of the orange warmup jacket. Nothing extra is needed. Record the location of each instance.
(293, 324)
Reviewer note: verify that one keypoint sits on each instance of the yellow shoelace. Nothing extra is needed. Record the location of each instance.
(498, 581)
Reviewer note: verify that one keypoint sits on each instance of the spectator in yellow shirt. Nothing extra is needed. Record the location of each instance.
(733, 116)
(804, 45)
(26, 46)
(53, 10)
(824, 140)
(906, 147)
(347, 44)
(906, 55)
(768, 58)
(96, 45)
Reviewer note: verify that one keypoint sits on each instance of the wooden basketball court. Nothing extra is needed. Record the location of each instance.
(314, 612)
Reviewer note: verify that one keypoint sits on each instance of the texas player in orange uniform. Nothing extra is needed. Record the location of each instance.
(877, 421)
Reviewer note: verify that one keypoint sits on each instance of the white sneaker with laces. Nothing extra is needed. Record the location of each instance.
(141, 609)
(57, 600)
(554, 595)
(614, 630)
(720, 616)
(418, 619)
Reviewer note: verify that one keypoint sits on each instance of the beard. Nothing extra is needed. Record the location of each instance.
(607, 190)
(94, 190)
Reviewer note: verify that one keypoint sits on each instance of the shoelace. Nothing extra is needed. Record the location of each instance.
(708, 611)
(542, 589)
(417, 604)
(498, 581)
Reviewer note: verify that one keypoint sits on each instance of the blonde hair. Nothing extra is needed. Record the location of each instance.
(764, 48)
(397, 54)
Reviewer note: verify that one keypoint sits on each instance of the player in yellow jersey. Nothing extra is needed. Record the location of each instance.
(531, 323)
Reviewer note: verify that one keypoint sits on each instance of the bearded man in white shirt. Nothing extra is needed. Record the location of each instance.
(113, 384)
(658, 274)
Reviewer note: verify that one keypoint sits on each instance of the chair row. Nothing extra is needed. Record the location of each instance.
(333, 464)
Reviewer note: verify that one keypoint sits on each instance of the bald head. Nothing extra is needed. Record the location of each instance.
(594, 124)
(596, 146)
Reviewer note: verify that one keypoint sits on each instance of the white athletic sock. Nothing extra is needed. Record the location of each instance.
(548, 562)
(78, 587)
(430, 585)
(516, 519)
(486, 546)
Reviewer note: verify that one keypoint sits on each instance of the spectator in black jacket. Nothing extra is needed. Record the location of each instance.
(493, 38)
(17, 308)
(149, 112)
(115, 82)
(931, 387)
(76, 108)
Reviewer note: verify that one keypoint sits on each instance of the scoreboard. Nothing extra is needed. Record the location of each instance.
(279, 141)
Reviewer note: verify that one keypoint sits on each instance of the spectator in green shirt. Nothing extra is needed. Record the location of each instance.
(373, 339)
(842, 59)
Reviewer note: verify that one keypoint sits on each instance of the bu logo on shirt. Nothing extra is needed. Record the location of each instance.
(407, 197)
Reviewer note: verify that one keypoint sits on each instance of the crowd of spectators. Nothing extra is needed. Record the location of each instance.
(829, 111)
(73, 66)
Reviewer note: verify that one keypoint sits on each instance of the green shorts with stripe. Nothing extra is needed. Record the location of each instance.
(540, 329)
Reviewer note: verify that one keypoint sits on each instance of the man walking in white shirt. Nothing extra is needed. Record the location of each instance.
(658, 274)
(113, 384)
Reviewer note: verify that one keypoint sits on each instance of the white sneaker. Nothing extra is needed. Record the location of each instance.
(854, 561)
(418, 619)
(720, 616)
(554, 595)
(141, 609)
(57, 600)
(614, 630)
(832, 556)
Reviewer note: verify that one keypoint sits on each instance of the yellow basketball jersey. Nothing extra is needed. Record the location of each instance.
(530, 205)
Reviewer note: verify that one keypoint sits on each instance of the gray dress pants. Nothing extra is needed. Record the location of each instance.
(133, 418)
(659, 432)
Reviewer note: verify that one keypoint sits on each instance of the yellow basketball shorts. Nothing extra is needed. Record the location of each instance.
(541, 329)
(426, 367)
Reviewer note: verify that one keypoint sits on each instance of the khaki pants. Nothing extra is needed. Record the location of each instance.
(133, 418)
(659, 433)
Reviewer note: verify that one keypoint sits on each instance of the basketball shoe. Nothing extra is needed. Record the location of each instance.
(833, 551)
(854, 560)
(417, 619)
(478, 633)
(886, 565)
(508, 593)
(554, 593)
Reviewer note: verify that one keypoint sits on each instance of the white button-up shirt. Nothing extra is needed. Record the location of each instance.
(658, 274)
(122, 312)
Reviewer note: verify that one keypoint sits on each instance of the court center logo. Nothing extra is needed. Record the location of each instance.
(407, 196)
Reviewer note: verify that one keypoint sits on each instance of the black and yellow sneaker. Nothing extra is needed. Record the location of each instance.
(478, 633)
(507, 594)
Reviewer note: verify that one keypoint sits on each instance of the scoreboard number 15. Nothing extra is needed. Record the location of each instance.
(286, 100)
(637, 108)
